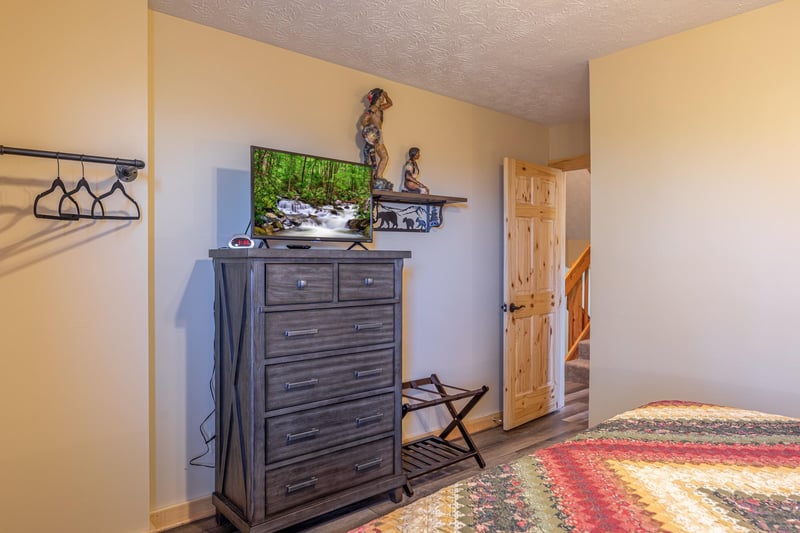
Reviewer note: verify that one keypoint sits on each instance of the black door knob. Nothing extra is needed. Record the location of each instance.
(514, 307)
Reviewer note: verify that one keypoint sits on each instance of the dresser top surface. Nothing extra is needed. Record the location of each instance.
(311, 253)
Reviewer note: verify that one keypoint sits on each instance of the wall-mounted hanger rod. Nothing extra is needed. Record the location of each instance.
(126, 168)
(72, 157)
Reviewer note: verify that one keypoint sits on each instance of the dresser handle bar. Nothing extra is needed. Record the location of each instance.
(368, 325)
(298, 384)
(367, 373)
(291, 437)
(300, 332)
(368, 282)
(302, 485)
(369, 464)
(366, 419)
(301, 284)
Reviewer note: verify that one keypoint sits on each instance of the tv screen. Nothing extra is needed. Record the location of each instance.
(305, 197)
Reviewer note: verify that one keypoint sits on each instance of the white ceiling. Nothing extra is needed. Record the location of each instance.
(528, 58)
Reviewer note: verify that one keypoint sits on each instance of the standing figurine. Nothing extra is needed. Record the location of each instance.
(411, 182)
(371, 122)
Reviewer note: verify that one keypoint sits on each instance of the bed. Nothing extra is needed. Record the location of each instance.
(666, 466)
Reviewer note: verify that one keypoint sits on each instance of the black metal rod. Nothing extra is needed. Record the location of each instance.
(72, 157)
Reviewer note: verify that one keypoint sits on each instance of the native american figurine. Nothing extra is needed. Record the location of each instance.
(371, 122)
(411, 181)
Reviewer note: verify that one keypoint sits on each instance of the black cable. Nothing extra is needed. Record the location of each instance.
(206, 437)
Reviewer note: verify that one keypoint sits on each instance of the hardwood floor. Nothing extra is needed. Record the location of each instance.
(496, 446)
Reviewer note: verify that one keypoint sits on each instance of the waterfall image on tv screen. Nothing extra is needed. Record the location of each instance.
(305, 197)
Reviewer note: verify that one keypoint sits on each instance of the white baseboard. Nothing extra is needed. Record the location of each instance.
(184, 513)
(180, 514)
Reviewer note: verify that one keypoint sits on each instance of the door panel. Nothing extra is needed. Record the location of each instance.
(534, 272)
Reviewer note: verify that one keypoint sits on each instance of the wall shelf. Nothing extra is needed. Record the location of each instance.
(416, 213)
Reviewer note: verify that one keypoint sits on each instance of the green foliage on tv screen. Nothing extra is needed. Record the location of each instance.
(314, 181)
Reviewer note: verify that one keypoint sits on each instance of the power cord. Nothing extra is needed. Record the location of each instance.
(207, 438)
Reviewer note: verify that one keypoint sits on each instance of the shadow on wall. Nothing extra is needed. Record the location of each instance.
(233, 203)
(196, 317)
(20, 247)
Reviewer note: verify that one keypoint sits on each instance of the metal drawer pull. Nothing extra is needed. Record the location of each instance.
(368, 325)
(291, 437)
(301, 284)
(369, 464)
(298, 384)
(366, 419)
(300, 332)
(368, 282)
(366, 373)
(302, 485)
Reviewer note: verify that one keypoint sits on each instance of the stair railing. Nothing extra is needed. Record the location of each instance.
(576, 288)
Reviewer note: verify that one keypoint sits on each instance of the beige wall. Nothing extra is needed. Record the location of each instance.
(73, 319)
(568, 140)
(694, 217)
(579, 204)
(215, 94)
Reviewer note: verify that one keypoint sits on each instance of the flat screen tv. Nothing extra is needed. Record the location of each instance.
(305, 197)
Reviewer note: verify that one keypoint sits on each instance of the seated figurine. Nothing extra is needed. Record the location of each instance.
(411, 182)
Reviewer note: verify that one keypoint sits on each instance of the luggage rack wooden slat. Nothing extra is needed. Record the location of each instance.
(427, 454)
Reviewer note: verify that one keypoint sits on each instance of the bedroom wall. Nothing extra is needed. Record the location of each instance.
(694, 217)
(73, 319)
(215, 94)
(569, 140)
(579, 211)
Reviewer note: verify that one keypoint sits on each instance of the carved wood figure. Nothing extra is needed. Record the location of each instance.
(411, 181)
(371, 122)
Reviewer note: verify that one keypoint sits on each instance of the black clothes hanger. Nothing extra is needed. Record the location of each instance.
(82, 184)
(57, 184)
(99, 201)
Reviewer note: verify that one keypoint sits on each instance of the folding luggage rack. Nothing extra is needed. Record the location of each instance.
(434, 452)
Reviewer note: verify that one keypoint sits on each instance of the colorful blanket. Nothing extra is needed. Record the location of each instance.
(666, 466)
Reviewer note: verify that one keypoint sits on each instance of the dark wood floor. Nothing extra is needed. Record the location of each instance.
(496, 446)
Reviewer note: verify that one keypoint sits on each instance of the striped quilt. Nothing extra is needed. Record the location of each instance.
(666, 466)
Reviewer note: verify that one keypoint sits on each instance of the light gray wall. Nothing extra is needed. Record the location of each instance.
(215, 94)
(694, 217)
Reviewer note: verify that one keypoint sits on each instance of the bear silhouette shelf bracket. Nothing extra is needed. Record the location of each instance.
(408, 211)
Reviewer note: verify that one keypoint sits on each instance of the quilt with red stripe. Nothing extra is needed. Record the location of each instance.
(666, 466)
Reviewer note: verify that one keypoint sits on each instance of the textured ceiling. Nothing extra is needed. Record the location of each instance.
(528, 58)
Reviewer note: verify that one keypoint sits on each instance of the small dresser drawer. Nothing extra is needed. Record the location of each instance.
(294, 332)
(311, 380)
(306, 481)
(289, 283)
(366, 281)
(316, 429)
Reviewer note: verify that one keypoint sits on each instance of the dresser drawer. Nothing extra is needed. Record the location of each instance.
(311, 380)
(294, 332)
(289, 283)
(316, 429)
(365, 281)
(306, 481)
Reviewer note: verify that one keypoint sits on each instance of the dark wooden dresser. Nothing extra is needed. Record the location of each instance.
(308, 382)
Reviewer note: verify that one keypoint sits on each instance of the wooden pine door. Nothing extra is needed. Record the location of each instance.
(533, 324)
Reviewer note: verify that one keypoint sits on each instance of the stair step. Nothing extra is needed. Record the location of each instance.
(584, 349)
(577, 370)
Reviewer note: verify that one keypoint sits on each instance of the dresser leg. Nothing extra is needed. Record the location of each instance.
(221, 520)
(396, 495)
